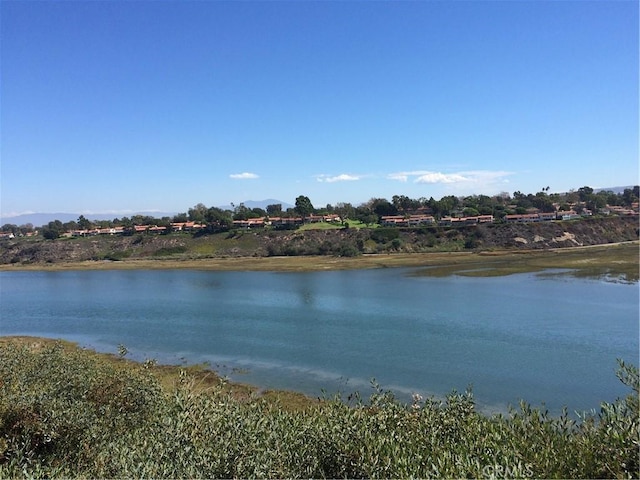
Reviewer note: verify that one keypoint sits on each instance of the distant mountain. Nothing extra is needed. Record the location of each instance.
(615, 190)
(259, 204)
(40, 219)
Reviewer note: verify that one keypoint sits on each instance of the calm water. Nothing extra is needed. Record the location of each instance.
(552, 340)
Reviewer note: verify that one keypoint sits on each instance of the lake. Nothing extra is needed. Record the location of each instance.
(542, 338)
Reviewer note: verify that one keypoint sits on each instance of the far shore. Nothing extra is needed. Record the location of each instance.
(610, 259)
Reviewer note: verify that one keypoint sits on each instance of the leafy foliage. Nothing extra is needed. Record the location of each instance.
(71, 414)
(383, 235)
(53, 230)
(165, 251)
(304, 207)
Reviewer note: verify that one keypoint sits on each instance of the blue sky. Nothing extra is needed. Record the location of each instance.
(123, 106)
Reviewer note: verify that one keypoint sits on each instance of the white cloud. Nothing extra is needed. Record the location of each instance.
(487, 176)
(404, 176)
(401, 177)
(478, 177)
(243, 176)
(122, 212)
(437, 177)
(338, 178)
(16, 214)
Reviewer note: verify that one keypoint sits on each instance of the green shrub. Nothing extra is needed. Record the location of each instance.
(166, 251)
(116, 256)
(71, 414)
(348, 250)
(384, 235)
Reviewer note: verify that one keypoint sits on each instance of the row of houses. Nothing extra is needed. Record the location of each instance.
(11, 235)
(426, 220)
(175, 227)
(276, 222)
(540, 217)
(283, 222)
(407, 221)
(461, 221)
(621, 210)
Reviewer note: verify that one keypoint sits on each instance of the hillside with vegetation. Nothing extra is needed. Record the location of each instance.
(338, 242)
(400, 226)
(68, 412)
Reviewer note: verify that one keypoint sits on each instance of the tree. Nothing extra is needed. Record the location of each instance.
(240, 212)
(522, 200)
(433, 205)
(382, 206)
(143, 220)
(166, 223)
(404, 203)
(258, 212)
(53, 230)
(486, 202)
(218, 219)
(629, 196)
(470, 212)
(448, 204)
(364, 214)
(612, 198)
(596, 202)
(197, 213)
(180, 218)
(83, 223)
(304, 207)
(571, 196)
(9, 228)
(274, 209)
(345, 210)
(26, 228)
(69, 226)
(470, 202)
(585, 193)
(542, 202)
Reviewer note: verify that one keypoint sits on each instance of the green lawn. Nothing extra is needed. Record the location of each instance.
(334, 226)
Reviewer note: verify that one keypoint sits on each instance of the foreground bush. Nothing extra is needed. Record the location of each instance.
(70, 414)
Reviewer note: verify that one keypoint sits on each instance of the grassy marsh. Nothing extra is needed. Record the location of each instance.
(615, 260)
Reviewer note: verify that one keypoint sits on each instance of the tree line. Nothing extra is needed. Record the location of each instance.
(216, 219)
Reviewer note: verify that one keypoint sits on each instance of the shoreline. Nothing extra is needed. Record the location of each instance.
(169, 375)
(274, 263)
(615, 258)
